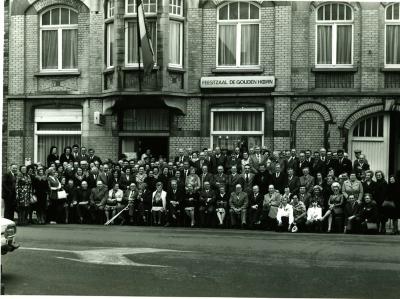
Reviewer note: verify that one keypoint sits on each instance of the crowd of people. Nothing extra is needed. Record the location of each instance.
(292, 191)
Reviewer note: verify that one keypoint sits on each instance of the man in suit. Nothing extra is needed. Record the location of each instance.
(75, 153)
(255, 206)
(279, 179)
(83, 199)
(174, 204)
(126, 179)
(330, 162)
(97, 200)
(307, 180)
(263, 179)
(92, 157)
(248, 178)
(181, 156)
(302, 164)
(106, 177)
(200, 163)
(304, 196)
(220, 179)
(84, 155)
(233, 179)
(185, 170)
(360, 165)
(318, 166)
(9, 191)
(293, 181)
(233, 160)
(205, 176)
(207, 205)
(93, 177)
(256, 160)
(344, 165)
(238, 203)
(217, 160)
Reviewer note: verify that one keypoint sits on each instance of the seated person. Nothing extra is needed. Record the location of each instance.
(369, 215)
(221, 200)
(174, 203)
(83, 199)
(335, 205)
(121, 203)
(354, 218)
(191, 199)
(207, 205)
(255, 206)
(130, 196)
(238, 202)
(271, 202)
(110, 208)
(284, 216)
(98, 198)
(314, 216)
(159, 203)
(299, 213)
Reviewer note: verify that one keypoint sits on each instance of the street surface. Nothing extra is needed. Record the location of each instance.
(158, 261)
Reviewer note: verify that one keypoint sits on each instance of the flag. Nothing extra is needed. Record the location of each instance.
(144, 38)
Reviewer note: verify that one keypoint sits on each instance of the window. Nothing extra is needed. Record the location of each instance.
(238, 35)
(58, 127)
(334, 35)
(150, 6)
(369, 127)
(232, 127)
(109, 44)
(59, 39)
(110, 9)
(392, 38)
(145, 120)
(131, 44)
(176, 33)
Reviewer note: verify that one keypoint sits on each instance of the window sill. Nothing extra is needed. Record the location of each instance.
(109, 70)
(55, 73)
(136, 68)
(353, 69)
(176, 69)
(258, 70)
(390, 70)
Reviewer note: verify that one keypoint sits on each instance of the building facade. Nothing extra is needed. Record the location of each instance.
(278, 74)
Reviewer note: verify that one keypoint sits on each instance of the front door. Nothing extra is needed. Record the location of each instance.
(371, 135)
(137, 146)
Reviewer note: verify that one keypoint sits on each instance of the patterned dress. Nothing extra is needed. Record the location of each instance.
(24, 190)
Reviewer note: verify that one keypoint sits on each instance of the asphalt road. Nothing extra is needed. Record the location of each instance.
(119, 261)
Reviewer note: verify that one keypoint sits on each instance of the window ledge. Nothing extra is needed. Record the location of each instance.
(176, 69)
(136, 68)
(390, 69)
(258, 70)
(109, 70)
(55, 73)
(353, 69)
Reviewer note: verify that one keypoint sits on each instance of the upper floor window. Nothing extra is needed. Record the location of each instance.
(334, 35)
(238, 35)
(110, 9)
(392, 43)
(59, 39)
(149, 6)
(176, 33)
(131, 45)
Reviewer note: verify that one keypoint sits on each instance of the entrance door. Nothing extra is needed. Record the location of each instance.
(394, 157)
(372, 136)
(136, 146)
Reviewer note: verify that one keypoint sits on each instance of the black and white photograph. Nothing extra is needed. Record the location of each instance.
(200, 148)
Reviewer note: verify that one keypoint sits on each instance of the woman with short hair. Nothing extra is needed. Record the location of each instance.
(191, 199)
(23, 195)
(159, 204)
(335, 205)
(379, 197)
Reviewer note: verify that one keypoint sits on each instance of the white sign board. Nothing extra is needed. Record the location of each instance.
(238, 82)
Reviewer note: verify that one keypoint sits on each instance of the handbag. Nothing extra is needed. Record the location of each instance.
(372, 226)
(388, 204)
(61, 194)
(33, 199)
(338, 210)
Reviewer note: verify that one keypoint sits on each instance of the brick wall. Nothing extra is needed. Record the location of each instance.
(5, 84)
(310, 131)
(15, 146)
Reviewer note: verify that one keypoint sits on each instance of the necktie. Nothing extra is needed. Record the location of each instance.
(247, 178)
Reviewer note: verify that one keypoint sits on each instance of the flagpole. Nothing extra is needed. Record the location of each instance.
(138, 44)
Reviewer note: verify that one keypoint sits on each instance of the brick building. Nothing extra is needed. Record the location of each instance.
(275, 73)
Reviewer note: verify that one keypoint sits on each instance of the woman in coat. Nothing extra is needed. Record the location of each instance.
(379, 197)
(391, 207)
(335, 205)
(52, 156)
(54, 201)
(24, 195)
(41, 187)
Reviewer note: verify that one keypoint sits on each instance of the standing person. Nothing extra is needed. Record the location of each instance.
(67, 155)
(234, 179)
(23, 195)
(379, 198)
(54, 186)
(391, 205)
(41, 187)
(9, 192)
(52, 157)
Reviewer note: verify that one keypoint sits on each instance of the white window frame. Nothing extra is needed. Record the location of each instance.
(238, 23)
(334, 24)
(180, 65)
(390, 22)
(59, 29)
(248, 133)
(110, 9)
(108, 44)
(54, 116)
(173, 5)
(135, 64)
(134, 13)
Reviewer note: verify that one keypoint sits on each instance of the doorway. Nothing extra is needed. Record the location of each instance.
(136, 146)
(394, 150)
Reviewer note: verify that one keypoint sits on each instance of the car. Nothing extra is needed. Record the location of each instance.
(8, 232)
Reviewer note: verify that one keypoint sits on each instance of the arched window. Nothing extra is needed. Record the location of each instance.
(334, 35)
(109, 33)
(392, 40)
(238, 35)
(59, 39)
